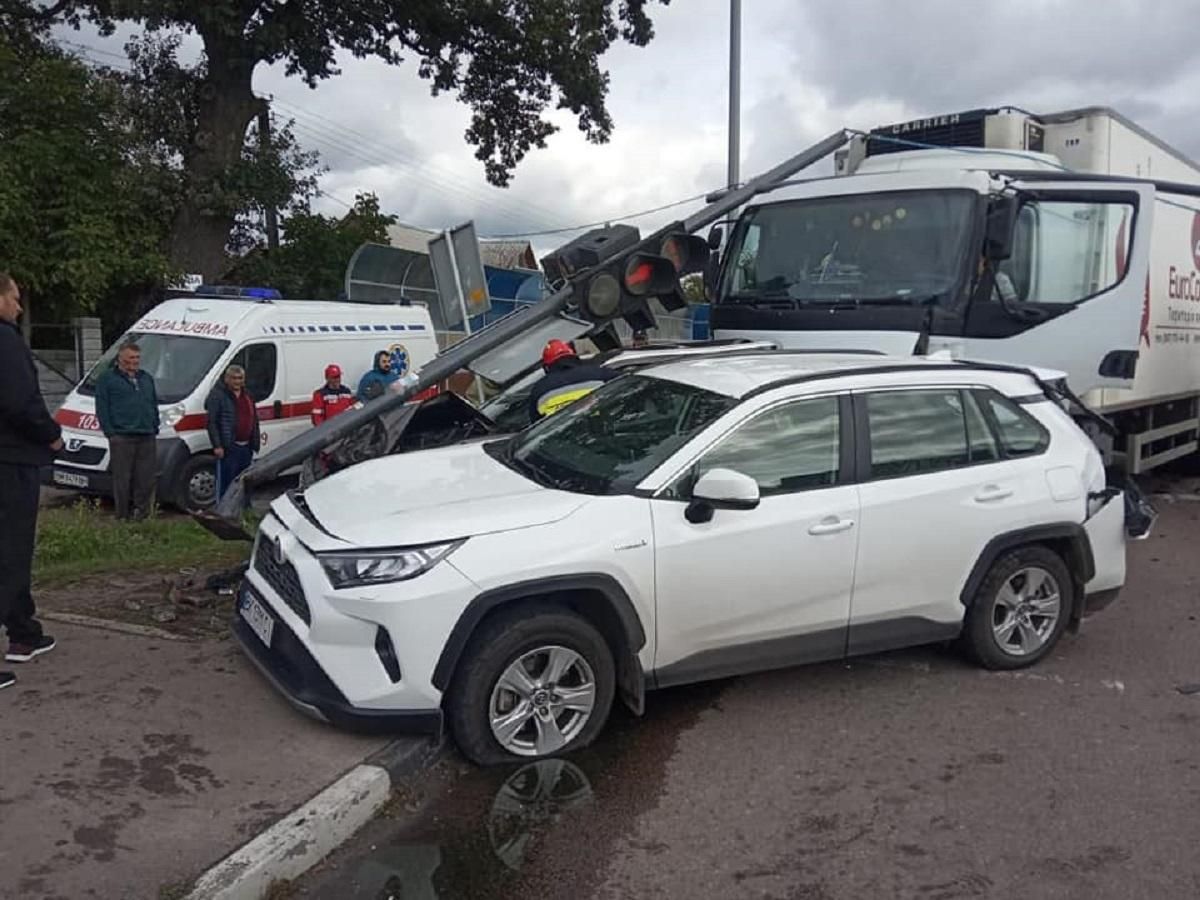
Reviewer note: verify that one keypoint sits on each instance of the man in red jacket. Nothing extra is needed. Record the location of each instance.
(332, 397)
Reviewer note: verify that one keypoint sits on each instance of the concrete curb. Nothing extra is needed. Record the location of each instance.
(301, 839)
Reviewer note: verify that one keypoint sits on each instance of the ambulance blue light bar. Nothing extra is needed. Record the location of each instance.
(233, 290)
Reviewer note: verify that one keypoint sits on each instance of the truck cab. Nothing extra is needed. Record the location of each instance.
(989, 235)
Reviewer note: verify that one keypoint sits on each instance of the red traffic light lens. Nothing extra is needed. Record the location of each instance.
(648, 273)
(639, 276)
(687, 252)
(676, 251)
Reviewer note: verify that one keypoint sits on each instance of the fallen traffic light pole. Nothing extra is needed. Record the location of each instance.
(225, 519)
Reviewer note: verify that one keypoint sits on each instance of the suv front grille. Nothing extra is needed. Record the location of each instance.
(282, 578)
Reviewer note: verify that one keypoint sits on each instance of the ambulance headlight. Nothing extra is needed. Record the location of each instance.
(173, 415)
(369, 567)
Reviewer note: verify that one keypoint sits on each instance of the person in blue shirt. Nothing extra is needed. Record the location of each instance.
(375, 382)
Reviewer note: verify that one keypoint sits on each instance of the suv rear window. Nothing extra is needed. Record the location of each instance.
(1020, 433)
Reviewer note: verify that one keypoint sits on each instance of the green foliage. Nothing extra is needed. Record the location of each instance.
(693, 288)
(81, 212)
(311, 260)
(82, 540)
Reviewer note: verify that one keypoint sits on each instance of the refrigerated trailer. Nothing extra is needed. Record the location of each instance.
(1069, 241)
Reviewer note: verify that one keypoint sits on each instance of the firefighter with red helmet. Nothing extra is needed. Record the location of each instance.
(567, 379)
(332, 397)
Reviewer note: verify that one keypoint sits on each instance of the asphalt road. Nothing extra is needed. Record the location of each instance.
(906, 775)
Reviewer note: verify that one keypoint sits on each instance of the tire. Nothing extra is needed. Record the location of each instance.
(529, 637)
(1014, 599)
(196, 484)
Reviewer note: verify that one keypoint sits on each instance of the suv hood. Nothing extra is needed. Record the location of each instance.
(432, 495)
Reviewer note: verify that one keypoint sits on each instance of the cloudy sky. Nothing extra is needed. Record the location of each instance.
(809, 67)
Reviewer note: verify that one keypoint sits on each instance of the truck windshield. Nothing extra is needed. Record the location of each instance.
(177, 363)
(608, 441)
(890, 248)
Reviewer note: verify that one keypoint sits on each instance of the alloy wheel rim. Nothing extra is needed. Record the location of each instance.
(542, 701)
(1027, 609)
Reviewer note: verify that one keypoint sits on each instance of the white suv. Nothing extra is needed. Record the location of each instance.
(692, 520)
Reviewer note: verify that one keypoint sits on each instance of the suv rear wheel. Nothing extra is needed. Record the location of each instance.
(533, 683)
(1020, 610)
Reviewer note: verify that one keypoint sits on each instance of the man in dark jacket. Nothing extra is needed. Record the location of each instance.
(127, 407)
(232, 427)
(566, 380)
(29, 438)
(382, 374)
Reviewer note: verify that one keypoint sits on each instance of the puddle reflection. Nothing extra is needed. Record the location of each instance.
(529, 803)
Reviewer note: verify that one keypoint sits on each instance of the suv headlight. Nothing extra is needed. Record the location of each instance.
(172, 415)
(383, 566)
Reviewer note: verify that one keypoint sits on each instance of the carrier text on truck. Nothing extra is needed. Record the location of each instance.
(1052, 241)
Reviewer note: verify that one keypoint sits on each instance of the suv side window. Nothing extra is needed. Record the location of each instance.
(1020, 433)
(916, 432)
(789, 448)
(260, 362)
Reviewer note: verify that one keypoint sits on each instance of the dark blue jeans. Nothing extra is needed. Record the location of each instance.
(237, 459)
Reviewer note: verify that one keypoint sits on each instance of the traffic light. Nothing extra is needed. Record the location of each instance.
(623, 287)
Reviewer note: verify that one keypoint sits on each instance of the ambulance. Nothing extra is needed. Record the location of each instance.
(187, 342)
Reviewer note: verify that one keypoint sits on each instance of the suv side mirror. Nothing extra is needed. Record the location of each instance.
(1000, 232)
(721, 489)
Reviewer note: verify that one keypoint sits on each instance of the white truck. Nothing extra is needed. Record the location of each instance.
(1068, 241)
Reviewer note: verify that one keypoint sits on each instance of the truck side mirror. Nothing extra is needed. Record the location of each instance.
(1001, 228)
(715, 236)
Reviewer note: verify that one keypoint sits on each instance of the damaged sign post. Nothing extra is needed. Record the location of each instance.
(460, 279)
(225, 519)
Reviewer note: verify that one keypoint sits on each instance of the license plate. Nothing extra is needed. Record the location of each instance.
(257, 618)
(70, 479)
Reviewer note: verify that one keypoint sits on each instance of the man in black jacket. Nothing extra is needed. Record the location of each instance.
(29, 438)
(232, 427)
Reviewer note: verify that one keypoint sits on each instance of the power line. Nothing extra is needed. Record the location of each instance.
(603, 222)
(443, 178)
(343, 145)
(335, 136)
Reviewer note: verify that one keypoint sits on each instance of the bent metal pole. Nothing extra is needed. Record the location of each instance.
(444, 365)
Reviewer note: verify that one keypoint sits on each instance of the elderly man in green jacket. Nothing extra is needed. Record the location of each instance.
(127, 407)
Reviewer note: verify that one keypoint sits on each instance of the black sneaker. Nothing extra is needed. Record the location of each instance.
(20, 652)
(7, 679)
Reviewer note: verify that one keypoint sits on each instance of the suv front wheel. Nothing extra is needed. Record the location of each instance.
(1020, 610)
(533, 683)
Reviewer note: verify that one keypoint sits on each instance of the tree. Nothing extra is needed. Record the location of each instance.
(508, 60)
(83, 212)
(311, 261)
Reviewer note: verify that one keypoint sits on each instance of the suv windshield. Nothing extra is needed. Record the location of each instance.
(901, 247)
(176, 362)
(510, 408)
(614, 437)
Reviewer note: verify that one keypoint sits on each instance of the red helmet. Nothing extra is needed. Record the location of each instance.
(333, 371)
(556, 350)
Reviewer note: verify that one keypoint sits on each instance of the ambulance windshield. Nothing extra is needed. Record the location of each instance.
(178, 363)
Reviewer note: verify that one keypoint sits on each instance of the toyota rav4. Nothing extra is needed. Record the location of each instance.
(692, 520)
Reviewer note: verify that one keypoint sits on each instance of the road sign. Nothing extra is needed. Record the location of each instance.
(458, 273)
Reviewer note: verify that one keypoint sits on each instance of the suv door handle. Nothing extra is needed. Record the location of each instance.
(831, 526)
(993, 492)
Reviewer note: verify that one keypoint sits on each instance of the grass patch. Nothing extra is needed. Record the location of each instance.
(81, 540)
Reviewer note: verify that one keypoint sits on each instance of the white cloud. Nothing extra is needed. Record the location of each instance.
(808, 68)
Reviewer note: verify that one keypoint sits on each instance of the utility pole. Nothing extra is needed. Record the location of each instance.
(264, 149)
(735, 90)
